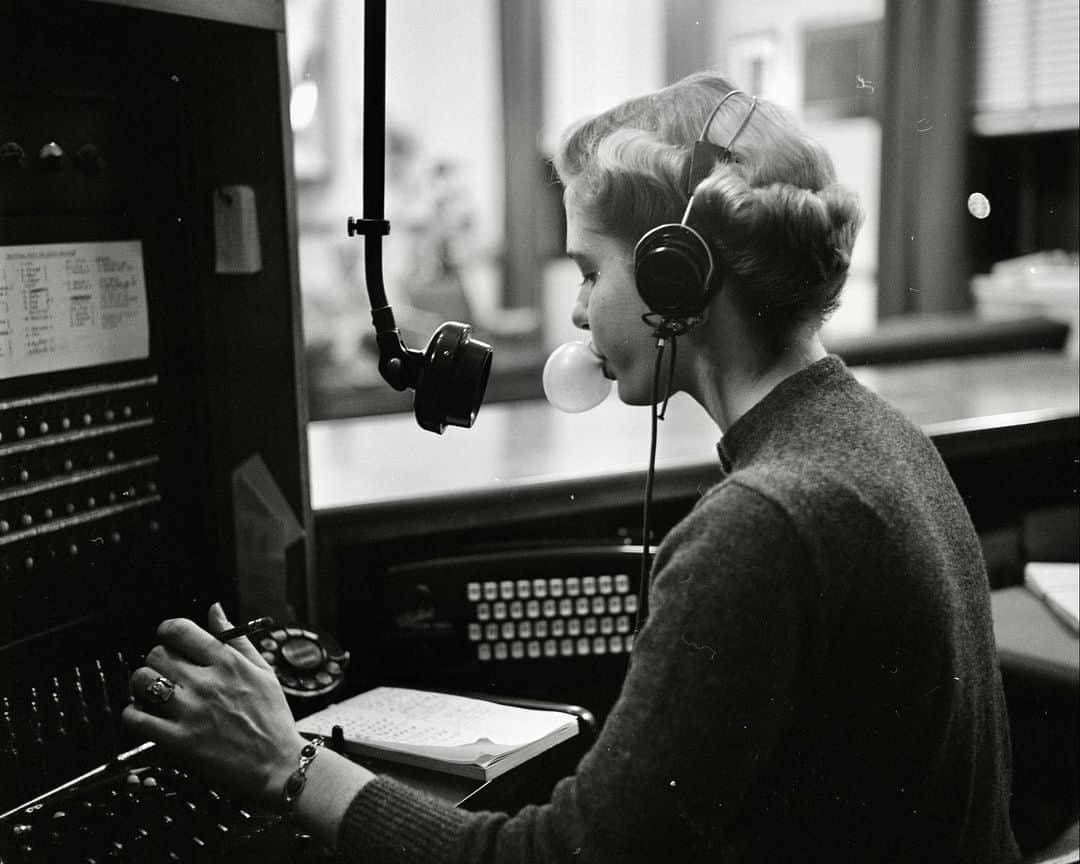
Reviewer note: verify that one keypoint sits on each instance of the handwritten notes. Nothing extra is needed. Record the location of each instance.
(67, 305)
(392, 715)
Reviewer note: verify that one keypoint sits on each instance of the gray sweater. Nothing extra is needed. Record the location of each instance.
(817, 679)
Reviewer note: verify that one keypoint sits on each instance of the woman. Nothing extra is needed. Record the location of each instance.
(817, 677)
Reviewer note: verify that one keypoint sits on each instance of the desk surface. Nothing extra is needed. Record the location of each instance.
(516, 449)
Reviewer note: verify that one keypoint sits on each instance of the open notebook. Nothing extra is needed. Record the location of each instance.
(442, 732)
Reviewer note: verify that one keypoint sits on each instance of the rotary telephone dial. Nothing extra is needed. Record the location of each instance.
(309, 663)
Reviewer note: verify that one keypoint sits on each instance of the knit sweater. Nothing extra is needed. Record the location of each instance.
(817, 679)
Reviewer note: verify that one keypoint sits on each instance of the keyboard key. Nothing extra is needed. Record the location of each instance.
(500, 651)
(524, 629)
(599, 645)
(541, 629)
(517, 609)
(506, 589)
(483, 652)
(614, 645)
(517, 649)
(566, 607)
(476, 632)
(498, 610)
(604, 583)
(558, 627)
(549, 608)
(556, 587)
(508, 630)
(551, 647)
(539, 587)
(491, 591)
(473, 591)
(589, 626)
(483, 611)
(573, 627)
(622, 624)
(583, 645)
(628, 642)
(607, 625)
(599, 605)
(622, 583)
(523, 589)
(573, 586)
(630, 603)
(566, 648)
(532, 609)
(588, 585)
(532, 648)
(491, 632)
(581, 606)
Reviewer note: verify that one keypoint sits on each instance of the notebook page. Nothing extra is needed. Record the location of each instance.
(392, 715)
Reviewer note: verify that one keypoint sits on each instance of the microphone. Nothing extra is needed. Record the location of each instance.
(451, 374)
(574, 379)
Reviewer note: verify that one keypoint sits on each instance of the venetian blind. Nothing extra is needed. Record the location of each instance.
(1027, 66)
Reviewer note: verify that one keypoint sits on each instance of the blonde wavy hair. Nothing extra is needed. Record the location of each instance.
(780, 226)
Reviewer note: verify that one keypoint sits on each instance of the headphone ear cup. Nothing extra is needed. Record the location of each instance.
(673, 268)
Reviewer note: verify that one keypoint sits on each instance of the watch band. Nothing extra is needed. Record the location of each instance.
(296, 781)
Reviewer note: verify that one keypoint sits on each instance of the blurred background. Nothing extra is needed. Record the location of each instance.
(955, 122)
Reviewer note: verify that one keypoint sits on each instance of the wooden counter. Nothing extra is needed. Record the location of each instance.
(384, 475)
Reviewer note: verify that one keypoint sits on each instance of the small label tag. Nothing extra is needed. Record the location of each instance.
(236, 231)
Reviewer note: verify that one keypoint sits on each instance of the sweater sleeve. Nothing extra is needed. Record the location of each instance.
(710, 689)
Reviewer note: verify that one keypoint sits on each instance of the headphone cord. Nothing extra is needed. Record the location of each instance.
(654, 403)
(670, 379)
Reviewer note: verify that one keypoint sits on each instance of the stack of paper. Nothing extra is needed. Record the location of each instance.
(1058, 586)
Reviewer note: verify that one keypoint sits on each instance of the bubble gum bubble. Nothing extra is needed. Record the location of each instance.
(574, 378)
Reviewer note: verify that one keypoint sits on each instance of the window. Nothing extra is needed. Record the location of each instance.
(444, 189)
(478, 94)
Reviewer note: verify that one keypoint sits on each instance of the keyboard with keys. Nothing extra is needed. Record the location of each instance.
(555, 622)
(146, 809)
(514, 619)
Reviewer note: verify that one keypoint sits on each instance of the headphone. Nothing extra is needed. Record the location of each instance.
(673, 264)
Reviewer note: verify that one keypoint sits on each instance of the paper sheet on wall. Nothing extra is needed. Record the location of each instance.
(66, 305)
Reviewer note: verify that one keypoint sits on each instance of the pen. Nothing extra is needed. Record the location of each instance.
(255, 626)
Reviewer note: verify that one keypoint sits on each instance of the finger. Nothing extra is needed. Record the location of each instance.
(141, 679)
(168, 663)
(149, 726)
(188, 639)
(216, 619)
(218, 623)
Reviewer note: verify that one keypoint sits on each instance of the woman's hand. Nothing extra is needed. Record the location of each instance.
(227, 714)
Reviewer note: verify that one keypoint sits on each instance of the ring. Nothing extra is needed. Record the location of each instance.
(159, 691)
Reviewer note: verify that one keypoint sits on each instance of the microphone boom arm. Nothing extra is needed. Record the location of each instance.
(451, 374)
